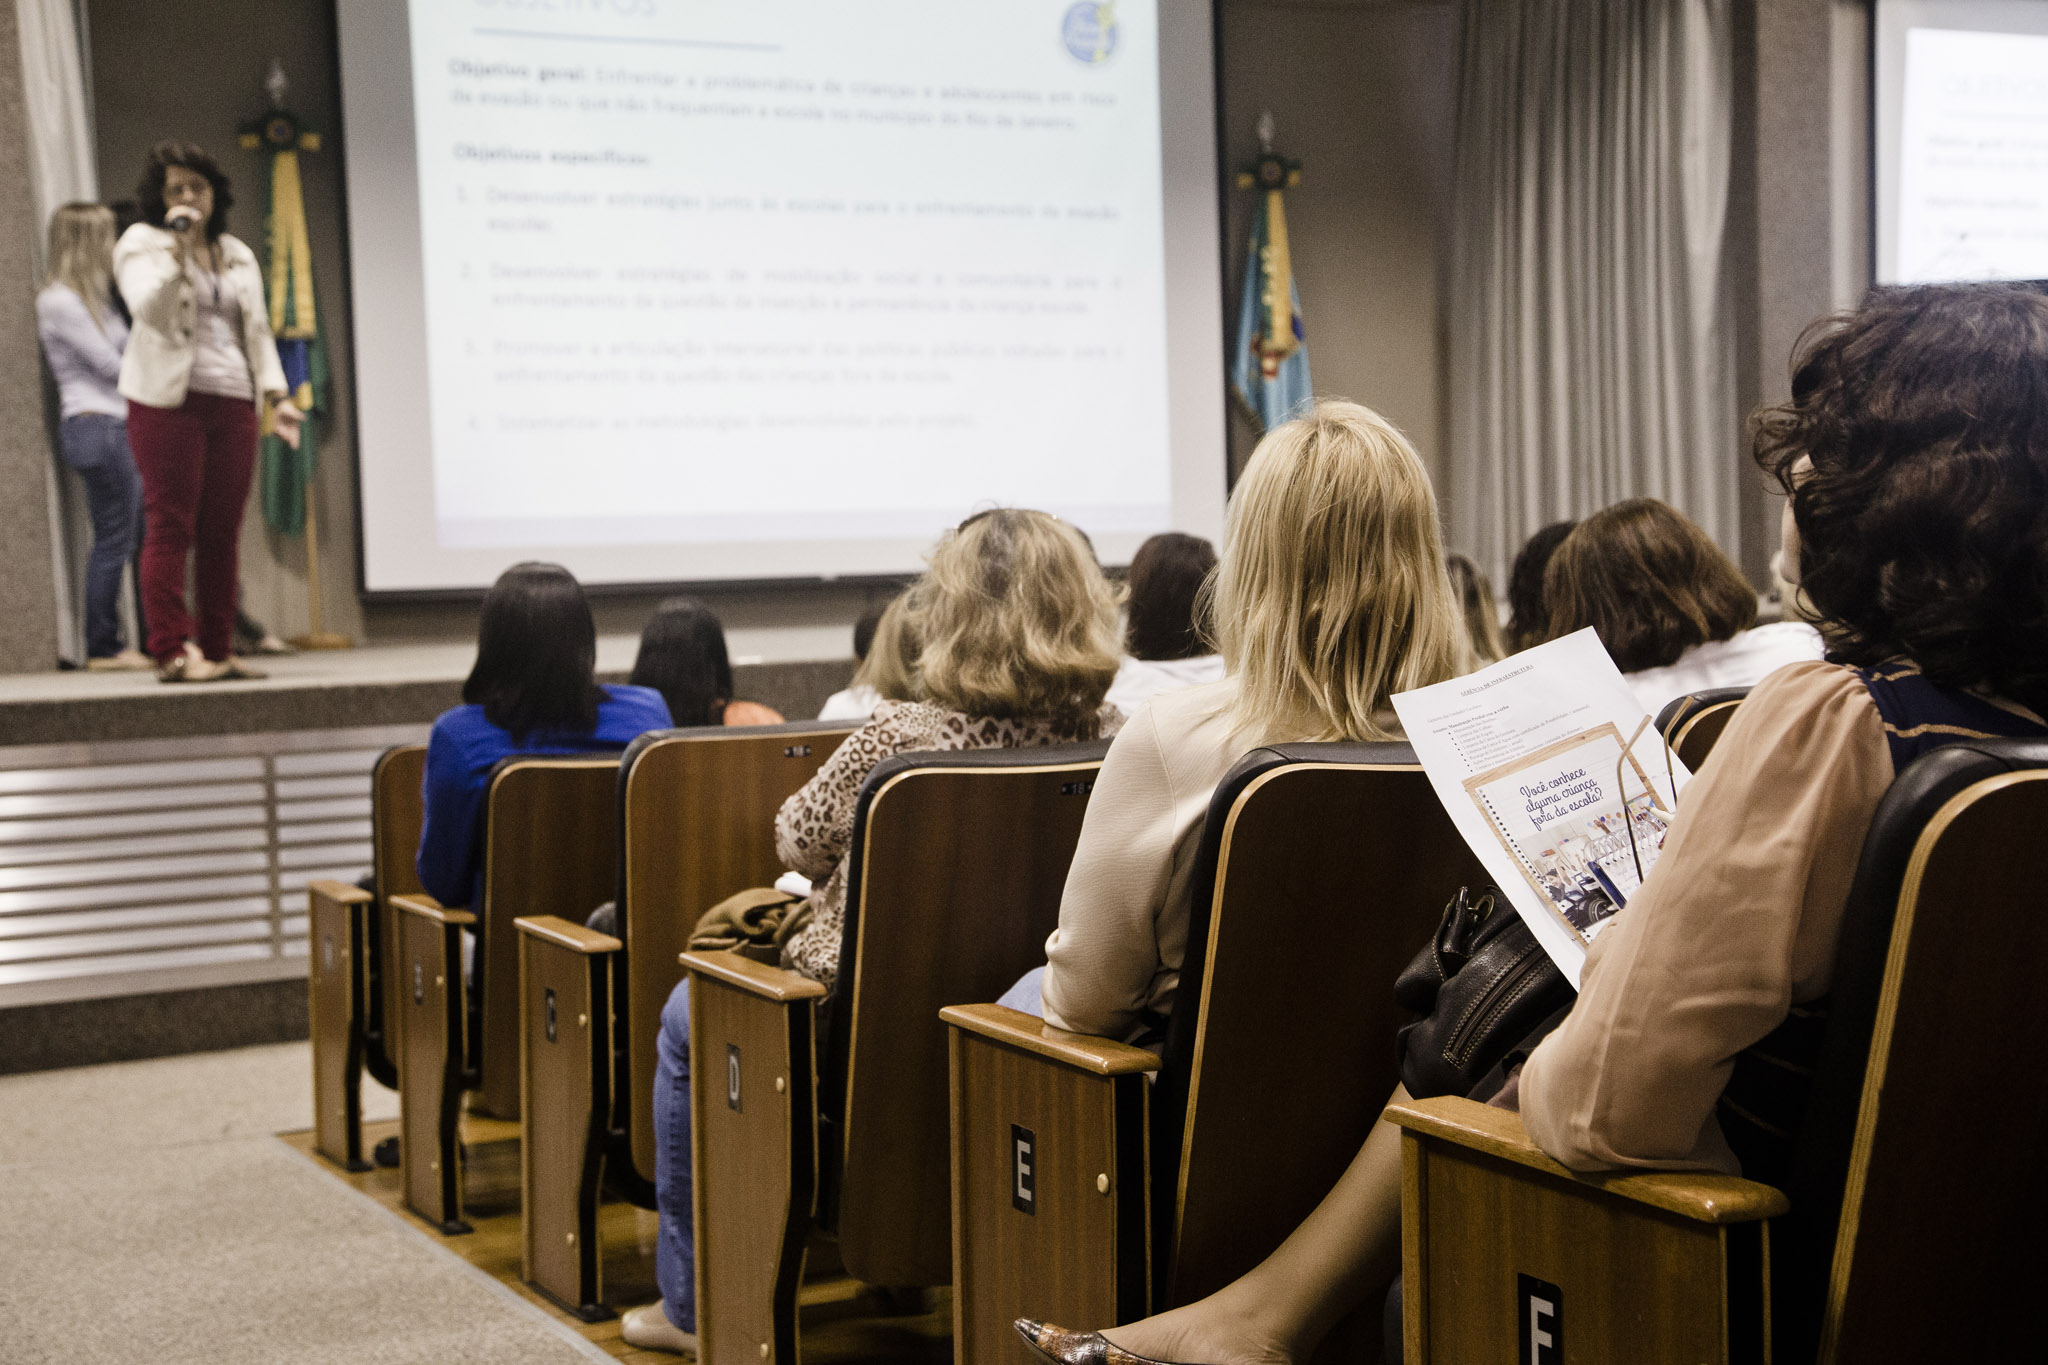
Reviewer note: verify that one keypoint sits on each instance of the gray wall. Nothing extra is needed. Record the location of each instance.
(1362, 95)
(28, 626)
(1800, 212)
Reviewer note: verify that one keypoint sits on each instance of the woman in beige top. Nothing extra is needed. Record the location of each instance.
(1914, 454)
(1330, 597)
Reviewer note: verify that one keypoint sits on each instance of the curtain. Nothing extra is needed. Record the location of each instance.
(60, 152)
(1591, 352)
(61, 169)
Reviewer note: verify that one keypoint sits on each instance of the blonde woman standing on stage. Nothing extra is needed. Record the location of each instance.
(83, 336)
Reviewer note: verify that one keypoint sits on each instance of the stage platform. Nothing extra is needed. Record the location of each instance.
(333, 690)
(156, 841)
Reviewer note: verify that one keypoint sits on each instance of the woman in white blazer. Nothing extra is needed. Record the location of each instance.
(200, 363)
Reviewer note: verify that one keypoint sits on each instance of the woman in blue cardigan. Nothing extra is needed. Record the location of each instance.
(533, 690)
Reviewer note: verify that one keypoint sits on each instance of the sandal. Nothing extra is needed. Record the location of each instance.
(188, 665)
(234, 666)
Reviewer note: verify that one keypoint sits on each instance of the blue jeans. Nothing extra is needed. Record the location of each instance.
(96, 446)
(1026, 995)
(675, 1247)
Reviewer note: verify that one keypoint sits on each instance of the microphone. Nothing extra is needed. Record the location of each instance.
(180, 218)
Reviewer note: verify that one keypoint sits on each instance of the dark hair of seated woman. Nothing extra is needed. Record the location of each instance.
(864, 628)
(1649, 580)
(536, 653)
(683, 657)
(1526, 621)
(1167, 614)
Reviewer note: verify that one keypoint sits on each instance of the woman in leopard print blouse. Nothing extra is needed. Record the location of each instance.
(1019, 641)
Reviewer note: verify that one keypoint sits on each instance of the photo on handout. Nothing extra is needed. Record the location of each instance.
(1583, 822)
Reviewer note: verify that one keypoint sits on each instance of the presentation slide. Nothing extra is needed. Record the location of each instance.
(677, 291)
(1962, 140)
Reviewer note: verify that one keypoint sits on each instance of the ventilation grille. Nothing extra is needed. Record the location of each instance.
(162, 864)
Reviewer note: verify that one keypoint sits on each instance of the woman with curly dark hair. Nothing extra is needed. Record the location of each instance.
(200, 373)
(1915, 452)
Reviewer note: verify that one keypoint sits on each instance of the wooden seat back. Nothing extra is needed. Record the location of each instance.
(1328, 867)
(1906, 1224)
(1918, 1193)
(396, 814)
(954, 884)
(551, 847)
(697, 824)
(1692, 724)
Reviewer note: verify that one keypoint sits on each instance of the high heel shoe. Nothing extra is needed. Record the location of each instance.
(1061, 1347)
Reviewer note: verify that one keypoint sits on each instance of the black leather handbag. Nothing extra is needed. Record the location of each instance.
(1482, 987)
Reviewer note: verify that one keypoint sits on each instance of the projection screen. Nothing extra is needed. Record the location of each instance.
(682, 291)
(1962, 140)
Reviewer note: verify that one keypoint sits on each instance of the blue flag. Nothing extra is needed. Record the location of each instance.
(1269, 369)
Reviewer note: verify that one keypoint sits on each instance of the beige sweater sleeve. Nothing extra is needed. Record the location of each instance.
(1102, 960)
(1738, 920)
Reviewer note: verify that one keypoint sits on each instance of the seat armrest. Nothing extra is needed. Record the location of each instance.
(568, 934)
(755, 978)
(1704, 1196)
(426, 907)
(1082, 1051)
(341, 893)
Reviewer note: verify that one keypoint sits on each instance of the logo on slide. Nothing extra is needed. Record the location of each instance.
(1090, 31)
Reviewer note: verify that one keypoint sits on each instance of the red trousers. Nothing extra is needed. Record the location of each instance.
(196, 462)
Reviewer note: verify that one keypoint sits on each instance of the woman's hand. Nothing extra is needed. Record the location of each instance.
(285, 420)
(187, 227)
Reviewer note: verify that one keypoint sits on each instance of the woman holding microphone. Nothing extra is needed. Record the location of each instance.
(199, 362)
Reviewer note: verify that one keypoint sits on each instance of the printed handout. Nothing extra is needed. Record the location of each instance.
(1553, 773)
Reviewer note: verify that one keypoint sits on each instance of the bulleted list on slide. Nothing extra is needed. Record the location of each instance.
(1973, 157)
(697, 271)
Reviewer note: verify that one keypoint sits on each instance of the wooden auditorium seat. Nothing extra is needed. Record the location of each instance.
(352, 976)
(1692, 724)
(1322, 869)
(550, 848)
(696, 824)
(1909, 1222)
(954, 883)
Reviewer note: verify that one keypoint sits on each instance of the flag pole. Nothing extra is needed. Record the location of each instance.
(292, 321)
(316, 638)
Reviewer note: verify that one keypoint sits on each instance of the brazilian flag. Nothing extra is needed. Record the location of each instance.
(294, 320)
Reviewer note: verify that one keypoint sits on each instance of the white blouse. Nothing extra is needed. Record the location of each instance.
(1743, 661)
(1139, 680)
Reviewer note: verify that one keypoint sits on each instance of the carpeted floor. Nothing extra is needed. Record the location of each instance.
(148, 1212)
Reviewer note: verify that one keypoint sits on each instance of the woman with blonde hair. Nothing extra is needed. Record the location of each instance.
(1481, 608)
(1329, 598)
(886, 643)
(1018, 643)
(83, 335)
